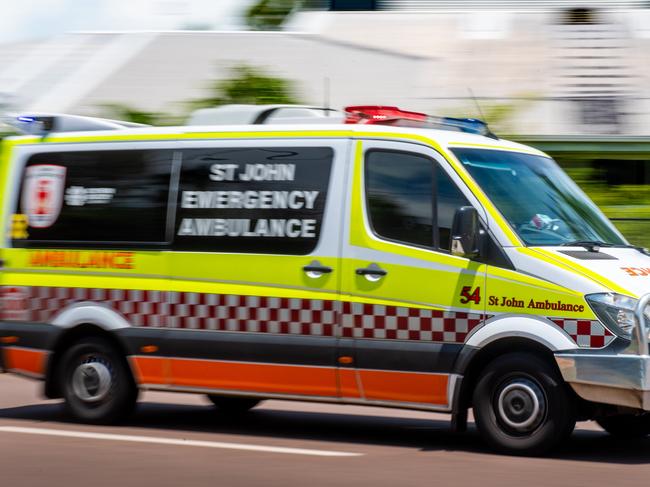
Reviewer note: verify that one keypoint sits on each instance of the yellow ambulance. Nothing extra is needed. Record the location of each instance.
(394, 260)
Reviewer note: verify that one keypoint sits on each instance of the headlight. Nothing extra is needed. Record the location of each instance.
(616, 311)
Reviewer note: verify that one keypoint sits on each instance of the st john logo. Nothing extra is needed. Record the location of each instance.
(43, 194)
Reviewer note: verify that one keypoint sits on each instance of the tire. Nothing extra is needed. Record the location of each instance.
(96, 382)
(233, 405)
(626, 426)
(522, 406)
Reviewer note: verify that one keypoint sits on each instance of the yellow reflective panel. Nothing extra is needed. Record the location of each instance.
(270, 275)
(418, 286)
(525, 295)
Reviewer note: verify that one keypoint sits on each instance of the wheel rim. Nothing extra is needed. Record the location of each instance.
(521, 405)
(92, 381)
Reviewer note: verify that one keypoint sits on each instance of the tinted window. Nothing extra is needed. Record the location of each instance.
(106, 197)
(399, 189)
(449, 200)
(259, 200)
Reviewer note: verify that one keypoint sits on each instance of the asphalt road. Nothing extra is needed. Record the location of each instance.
(180, 440)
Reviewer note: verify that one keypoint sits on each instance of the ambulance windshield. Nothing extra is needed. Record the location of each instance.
(541, 203)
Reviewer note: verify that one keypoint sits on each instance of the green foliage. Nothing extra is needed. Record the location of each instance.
(621, 201)
(127, 113)
(269, 14)
(249, 85)
(498, 114)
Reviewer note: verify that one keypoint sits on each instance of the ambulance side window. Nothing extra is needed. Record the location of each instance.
(267, 200)
(449, 200)
(114, 199)
(399, 192)
(410, 198)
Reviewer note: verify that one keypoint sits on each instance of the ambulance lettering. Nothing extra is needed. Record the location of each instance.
(251, 200)
(637, 271)
(82, 259)
(512, 302)
(43, 194)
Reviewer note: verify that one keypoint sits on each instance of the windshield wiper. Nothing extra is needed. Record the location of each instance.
(582, 243)
(592, 245)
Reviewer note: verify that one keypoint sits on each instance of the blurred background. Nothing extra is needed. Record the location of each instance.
(570, 77)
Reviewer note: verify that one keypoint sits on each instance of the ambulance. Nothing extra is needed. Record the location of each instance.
(388, 259)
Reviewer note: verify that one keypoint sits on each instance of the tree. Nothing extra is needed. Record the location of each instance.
(127, 113)
(249, 85)
(269, 14)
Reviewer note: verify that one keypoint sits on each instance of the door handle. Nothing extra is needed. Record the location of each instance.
(373, 272)
(323, 269)
(315, 269)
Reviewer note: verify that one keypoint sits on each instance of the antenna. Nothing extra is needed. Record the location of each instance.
(326, 95)
(471, 94)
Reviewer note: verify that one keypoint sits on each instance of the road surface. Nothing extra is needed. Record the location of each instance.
(181, 441)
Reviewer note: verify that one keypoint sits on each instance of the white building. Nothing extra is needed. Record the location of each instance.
(561, 71)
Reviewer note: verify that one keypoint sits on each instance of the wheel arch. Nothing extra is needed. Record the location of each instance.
(68, 337)
(473, 360)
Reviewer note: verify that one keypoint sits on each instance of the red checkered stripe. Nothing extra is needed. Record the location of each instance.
(225, 312)
(200, 311)
(586, 333)
(314, 317)
(362, 320)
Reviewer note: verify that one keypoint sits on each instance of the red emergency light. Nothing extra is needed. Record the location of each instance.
(377, 114)
(383, 115)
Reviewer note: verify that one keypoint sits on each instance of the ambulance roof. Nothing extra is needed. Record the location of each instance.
(444, 138)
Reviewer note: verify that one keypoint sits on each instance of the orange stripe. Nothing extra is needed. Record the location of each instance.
(150, 370)
(280, 379)
(25, 360)
(292, 379)
(348, 383)
(404, 386)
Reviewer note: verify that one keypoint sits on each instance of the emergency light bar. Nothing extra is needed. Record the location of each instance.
(43, 124)
(387, 115)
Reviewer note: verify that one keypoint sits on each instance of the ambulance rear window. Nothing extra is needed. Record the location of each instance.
(103, 198)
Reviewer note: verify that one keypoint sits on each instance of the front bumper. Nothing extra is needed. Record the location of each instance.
(620, 379)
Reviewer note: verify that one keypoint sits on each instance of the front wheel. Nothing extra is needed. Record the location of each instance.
(626, 426)
(522, 406)
(97, 384)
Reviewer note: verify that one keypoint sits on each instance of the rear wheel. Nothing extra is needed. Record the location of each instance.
(233, 405)
(627, 426)
(97, 384)
(522, 406)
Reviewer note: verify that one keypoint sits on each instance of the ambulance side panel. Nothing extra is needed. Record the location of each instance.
(85, 241)
(236, 293)
(246, 312)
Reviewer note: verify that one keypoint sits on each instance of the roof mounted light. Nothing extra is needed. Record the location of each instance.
(377, 114)
(388, 115)
(42, 124)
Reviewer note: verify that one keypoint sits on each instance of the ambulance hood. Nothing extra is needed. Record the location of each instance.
(621, 270)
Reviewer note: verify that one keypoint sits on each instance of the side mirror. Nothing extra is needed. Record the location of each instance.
(465, 232)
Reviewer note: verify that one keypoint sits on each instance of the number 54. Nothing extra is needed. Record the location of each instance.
(468, 295)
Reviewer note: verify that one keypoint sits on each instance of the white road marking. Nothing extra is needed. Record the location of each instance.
(176, 442)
